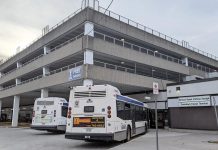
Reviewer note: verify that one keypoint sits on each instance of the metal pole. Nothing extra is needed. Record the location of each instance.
(214, 102)
(156, 124)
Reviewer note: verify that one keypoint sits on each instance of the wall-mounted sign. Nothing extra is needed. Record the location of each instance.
(194, 101)
(75, 73)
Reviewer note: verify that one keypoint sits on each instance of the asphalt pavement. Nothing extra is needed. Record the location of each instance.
(28, 139)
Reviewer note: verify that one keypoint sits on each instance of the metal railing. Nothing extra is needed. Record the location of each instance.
(176, 77)
(65, 68)
(154, 32)
(79, 63)
(51, 50)
(200, 67)
(136, 47)
(149, 52)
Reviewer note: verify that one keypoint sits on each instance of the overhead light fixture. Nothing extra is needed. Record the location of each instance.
(122, 39)
(156, 51)
(122, 62)
(147, 98)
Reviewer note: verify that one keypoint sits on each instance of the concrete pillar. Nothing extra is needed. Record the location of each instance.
(46, 71)
(88, 57)
(44, 93)
(87, 82)
(18, 81)
(0, 108)
(15, 116)
(89, 29)
(1, 74)
(19, 64)
(46, 50)
(185, 61)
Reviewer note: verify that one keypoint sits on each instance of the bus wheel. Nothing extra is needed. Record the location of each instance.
(128, 134)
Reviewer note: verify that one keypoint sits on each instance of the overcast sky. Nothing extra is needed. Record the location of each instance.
(195, 21)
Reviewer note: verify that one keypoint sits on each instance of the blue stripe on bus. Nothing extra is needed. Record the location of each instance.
(129, 100)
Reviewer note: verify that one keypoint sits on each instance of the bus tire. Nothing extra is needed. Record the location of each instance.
(146, 128)
(128, 134)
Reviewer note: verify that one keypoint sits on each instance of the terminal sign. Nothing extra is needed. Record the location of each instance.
(194, 101)
(75, 73)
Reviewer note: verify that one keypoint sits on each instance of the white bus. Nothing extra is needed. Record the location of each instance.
(50, 114)
(101, 113)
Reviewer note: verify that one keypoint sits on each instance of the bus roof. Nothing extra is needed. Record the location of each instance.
(53, 99)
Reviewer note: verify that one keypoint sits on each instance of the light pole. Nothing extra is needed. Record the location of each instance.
(214, 102)
(156, 92)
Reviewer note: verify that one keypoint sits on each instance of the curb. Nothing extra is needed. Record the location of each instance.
(193, 131)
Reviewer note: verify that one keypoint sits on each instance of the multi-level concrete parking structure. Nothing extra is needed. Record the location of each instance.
(100, 47)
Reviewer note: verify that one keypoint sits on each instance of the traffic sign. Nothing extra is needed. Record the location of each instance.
(155, 88)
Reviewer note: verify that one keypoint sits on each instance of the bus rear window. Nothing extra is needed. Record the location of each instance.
(64, 111)
(44, 112)
(90, 94)
(45, 103)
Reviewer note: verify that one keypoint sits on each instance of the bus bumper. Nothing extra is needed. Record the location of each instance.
(43, 127)
(90, 136)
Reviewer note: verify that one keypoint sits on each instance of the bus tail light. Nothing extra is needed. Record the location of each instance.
(54, 113)
(69, 112)
(109, 111)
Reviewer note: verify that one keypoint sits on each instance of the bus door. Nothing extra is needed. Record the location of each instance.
(132, 116)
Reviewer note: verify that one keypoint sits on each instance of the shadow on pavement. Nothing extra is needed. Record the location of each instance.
(48, 133)
(97, 145)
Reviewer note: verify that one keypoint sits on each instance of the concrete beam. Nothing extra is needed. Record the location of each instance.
(16, 105)
(124, 78)
(65, 51)
(135, 56)
(45, 82)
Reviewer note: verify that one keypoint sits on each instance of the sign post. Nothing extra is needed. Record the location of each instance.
(156, 92)
(214, 102)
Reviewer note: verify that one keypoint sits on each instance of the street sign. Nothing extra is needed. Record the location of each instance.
(75, 73)
(155, 88)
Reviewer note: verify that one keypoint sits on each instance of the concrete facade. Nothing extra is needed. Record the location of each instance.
(107, 50)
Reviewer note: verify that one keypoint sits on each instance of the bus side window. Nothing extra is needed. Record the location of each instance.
(127, 112)
(64, 110)
(120, 110)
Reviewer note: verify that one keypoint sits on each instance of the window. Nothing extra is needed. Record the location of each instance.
(178, 89)
(120, 110)
(64, 110)
(127, 111)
